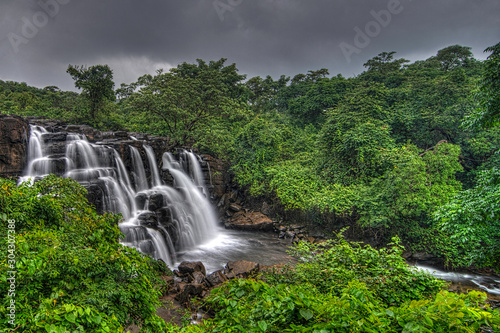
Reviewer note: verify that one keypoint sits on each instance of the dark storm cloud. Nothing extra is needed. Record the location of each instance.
(262, 36)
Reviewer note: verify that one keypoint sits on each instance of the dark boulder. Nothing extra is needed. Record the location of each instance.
(189, 267)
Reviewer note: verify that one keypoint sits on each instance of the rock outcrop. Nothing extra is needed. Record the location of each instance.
(14, 134)
(191, 281)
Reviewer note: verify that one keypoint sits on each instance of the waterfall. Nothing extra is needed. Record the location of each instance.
(159, 220)
(141, 182)
(155, 177)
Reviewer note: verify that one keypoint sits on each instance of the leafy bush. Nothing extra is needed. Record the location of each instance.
(71, 272)
(332, 265)
(298, 186)
(255, 306)
(472, 221)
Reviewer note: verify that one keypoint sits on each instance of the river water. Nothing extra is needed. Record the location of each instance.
(231, 245)
(268, 249)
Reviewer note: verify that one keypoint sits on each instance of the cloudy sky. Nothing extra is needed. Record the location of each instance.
(40, 38)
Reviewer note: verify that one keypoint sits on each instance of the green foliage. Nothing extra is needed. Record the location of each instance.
(354, 136)
(471, 220)
(50, 102)
(412, 187)
(96, 83)
(322, 95)
(364, 149)
(429, 105)
(254, 306)
(265, 140)
(384, 69)
(488, 93)
(299, 187)
(71, 272)
(331, 266)
(454, 56)
(187, 102)
(343, 287)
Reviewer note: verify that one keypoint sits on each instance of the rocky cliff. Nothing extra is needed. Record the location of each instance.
(14, 134)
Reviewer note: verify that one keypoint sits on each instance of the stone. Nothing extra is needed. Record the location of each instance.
(234, 207)
(198, 277)
(54, 137)
(14, 133)
(148, 219)
(189, 291)
(265, 208)
(216, 278)
(310, 239)
(422, 256)
(155, 201)
(251, 221)
(242, 268)
(189, 267)
(222, 201)
(297, 227)
(140, 199)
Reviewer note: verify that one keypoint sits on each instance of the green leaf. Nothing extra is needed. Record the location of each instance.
(71, 318)
(262, 325)
(306, 313)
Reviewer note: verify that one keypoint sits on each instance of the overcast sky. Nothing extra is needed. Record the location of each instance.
(40, 38)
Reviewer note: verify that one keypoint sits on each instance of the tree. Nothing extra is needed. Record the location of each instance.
(96, 83)
(354, 135)
(471, 220)
(488, 93)
(188, 103)
(384, 69)
(322, 95)
(412, 187)
(384, 63)
(262, 92)
(454, 56)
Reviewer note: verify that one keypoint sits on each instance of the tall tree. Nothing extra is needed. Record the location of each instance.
(96, 83)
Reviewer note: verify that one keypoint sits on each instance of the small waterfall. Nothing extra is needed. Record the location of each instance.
(39, 164)
(141, 182)
(158, 219)
(195, 169)
(155, 177)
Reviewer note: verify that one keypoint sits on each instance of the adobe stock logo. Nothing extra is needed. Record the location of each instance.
(372, 29)
(223, 6)
(31, 26)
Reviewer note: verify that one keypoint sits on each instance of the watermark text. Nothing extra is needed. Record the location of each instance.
(372, 29)
(11, 273)
(31, 26)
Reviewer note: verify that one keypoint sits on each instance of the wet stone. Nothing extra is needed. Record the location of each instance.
(189, 267)
(148, 219)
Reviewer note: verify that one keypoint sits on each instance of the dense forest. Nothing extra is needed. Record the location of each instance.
(407, 153)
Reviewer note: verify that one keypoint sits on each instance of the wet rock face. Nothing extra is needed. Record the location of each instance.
(14, 134)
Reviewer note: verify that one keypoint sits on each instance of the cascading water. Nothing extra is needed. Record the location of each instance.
(158, 219)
